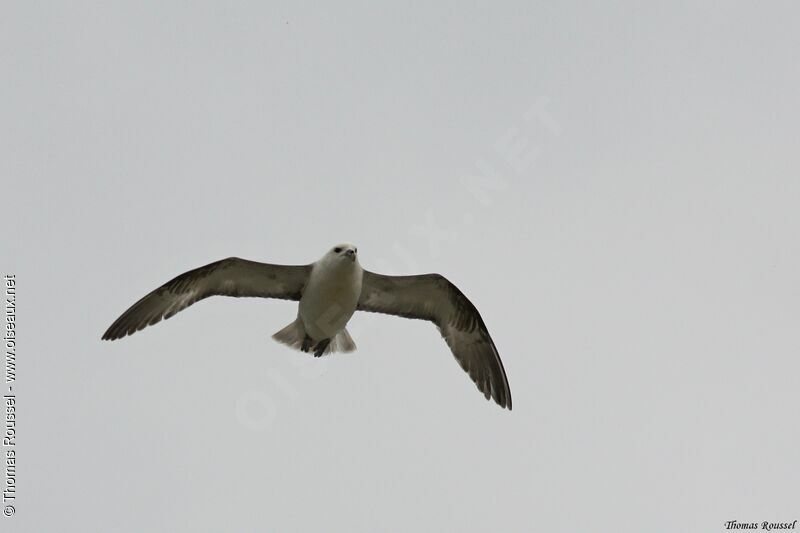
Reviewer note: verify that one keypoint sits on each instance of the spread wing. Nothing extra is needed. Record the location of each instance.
(432, 297)
(228, 277)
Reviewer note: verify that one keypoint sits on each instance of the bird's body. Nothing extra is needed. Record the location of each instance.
(329, 292)
(329, 300)
(331, 296)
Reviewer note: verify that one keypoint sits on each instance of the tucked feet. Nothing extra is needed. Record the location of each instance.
(306, 344)
(319, 349)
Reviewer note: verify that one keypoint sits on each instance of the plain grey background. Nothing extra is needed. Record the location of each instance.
(614, 186)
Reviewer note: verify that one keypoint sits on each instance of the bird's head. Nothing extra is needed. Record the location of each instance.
(345, 252)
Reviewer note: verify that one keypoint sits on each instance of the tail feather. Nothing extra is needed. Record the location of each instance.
(342, 342)
(294, 334)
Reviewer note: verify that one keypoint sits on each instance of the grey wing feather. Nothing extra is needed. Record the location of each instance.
(432, 297)
(228, 277)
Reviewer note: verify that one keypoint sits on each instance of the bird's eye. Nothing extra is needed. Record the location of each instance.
(337, 250)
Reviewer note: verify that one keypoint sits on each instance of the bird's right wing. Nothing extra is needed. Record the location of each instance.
(228, 277)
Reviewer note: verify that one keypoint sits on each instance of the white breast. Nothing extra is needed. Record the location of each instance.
(330, 298)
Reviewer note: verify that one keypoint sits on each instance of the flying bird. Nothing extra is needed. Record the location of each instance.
(329, 291)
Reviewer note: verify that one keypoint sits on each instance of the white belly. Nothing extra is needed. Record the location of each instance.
(329, 301)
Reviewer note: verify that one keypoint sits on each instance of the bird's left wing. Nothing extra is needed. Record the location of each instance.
(228, 277)
(432, 297)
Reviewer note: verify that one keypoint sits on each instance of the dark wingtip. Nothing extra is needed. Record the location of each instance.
(503, 404)
(111, 334)
(503, 399)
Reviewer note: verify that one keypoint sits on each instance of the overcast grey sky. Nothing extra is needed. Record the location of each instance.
(615, 187)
